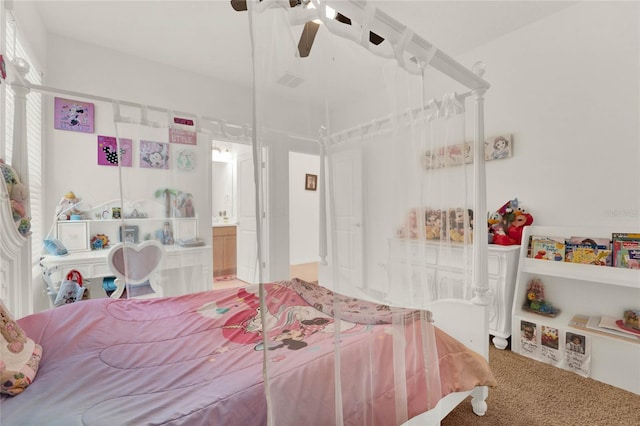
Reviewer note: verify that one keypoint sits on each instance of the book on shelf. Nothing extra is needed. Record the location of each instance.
(588, 250)
(548, 248)
(625, 250)
(603, 325)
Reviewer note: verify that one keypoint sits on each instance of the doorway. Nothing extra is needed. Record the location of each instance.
(304, 217)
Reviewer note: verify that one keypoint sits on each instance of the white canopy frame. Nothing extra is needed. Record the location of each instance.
(409, 50)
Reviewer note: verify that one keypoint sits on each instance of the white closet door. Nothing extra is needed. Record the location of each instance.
(347, 178)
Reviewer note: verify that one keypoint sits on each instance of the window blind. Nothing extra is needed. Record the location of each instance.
(15, 48)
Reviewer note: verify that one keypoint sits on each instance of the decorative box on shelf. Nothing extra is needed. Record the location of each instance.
(74, 234)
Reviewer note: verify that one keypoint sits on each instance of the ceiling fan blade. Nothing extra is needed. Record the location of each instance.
(341, 18)
(375, 38)
(239, 5)
(307, 37)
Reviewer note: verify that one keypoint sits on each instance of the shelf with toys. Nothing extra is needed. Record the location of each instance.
(86, 228)
(558, 303)
(82, 236)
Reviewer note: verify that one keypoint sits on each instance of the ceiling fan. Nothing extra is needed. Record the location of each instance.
(310, 28)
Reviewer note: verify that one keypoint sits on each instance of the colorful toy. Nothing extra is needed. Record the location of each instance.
(506, 224)
(67, 206)
(99, 241)
(18, 198)
(536, 302)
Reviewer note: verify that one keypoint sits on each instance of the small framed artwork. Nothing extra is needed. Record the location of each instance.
(186, 229)
(129, 234)
(310, 182)
(116, 213)
(154, 155)
(74, 235)
(498, 147)
(73, 115)
(108, 151)
(185, 159)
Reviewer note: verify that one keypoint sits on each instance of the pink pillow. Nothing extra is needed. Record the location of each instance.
(19, 355)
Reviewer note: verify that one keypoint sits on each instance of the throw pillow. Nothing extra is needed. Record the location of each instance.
(19, 355)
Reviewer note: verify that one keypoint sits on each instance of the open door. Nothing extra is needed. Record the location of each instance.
(247, 235)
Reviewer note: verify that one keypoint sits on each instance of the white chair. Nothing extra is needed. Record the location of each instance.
(135, 265)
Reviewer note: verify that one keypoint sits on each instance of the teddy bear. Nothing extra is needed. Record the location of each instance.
(18, 197)
(12, 333)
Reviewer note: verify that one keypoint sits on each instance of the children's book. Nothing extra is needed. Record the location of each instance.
(626, 250)
(548, 248)
(587, 250)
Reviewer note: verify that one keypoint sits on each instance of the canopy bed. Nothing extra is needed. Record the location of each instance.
(375, 342)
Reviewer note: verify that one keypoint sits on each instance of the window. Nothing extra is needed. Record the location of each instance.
(14, 48)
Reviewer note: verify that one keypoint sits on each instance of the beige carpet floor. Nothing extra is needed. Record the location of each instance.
(533, 393)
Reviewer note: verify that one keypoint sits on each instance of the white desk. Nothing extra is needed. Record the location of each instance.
(184, 270)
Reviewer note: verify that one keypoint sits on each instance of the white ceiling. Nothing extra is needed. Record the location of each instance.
(210, 38)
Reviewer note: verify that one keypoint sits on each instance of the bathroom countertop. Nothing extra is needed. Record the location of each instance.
(223, 224)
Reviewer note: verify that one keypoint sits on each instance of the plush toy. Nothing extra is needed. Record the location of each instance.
(506, 224)
(18, 198)
(67, 206)
(521, 220)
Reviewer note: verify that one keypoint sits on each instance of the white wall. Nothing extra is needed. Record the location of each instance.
(567, 88)
(303, 209)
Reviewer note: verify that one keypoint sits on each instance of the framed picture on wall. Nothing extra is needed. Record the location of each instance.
(154, 155)
(108, 151)
(73, 115)
(129, 234)
(310, 182)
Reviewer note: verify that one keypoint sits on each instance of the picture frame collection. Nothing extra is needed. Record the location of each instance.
(79, 116)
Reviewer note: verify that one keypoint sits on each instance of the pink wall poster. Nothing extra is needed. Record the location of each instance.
(108, 151)
(154, 155)
(73, 115)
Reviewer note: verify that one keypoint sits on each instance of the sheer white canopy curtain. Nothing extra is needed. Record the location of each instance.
(396, 186)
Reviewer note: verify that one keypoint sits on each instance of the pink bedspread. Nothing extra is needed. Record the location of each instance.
(195, 359)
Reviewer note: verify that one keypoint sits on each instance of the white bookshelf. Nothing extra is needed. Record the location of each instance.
(588, 290)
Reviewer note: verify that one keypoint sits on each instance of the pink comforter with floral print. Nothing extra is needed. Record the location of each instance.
(198, 358)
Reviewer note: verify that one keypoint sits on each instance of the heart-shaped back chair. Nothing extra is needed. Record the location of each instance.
(135, 265)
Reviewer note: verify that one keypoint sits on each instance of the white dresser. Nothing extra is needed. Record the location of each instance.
(441, 267)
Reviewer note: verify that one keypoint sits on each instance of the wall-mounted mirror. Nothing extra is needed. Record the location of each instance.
(224, 192)
(223, 174)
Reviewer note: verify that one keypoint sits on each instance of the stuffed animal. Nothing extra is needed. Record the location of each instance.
(67, 206)
(521, 220)
(18, 198)
(12, 333)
